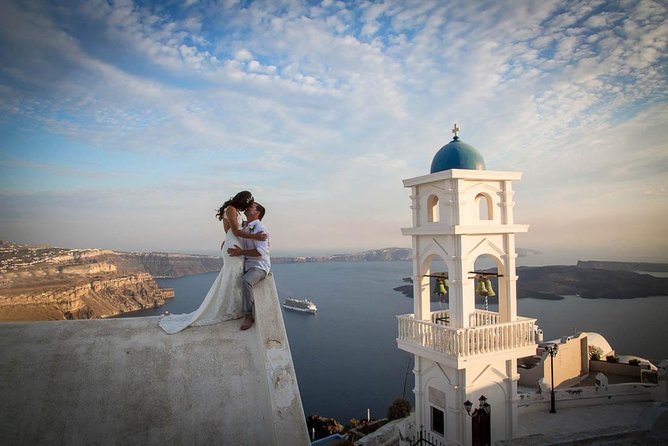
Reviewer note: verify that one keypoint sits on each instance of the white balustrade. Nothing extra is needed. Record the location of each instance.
(483, 317)
(487, 337)
(439, 315)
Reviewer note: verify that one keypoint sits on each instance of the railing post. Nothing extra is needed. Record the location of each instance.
(484, 338)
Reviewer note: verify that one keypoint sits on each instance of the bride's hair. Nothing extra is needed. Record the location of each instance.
(240, 201)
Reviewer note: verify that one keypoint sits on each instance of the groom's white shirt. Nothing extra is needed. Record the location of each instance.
(263, 262)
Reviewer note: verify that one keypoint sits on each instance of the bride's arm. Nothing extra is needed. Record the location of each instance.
(231, 222)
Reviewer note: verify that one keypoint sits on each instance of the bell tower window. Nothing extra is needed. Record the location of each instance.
(432, 206)
(485, 209)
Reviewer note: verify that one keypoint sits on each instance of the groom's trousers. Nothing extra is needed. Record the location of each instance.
(251, 277)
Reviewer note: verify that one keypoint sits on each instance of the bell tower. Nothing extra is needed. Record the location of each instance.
(462, 212)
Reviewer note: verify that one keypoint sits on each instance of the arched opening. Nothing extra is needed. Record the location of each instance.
(485, 209)
(432, 209)
(439, 296)
(486, 286)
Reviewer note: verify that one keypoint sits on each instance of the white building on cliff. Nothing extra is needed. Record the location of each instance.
(462, 212)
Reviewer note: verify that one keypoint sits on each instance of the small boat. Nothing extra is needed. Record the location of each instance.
(300, 305)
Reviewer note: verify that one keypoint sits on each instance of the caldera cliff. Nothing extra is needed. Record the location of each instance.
(45, 283)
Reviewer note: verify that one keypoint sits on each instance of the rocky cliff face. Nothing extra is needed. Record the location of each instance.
(97, 298)
(623, 266)
(376, 255)
(39, 283)
(161, 264)
(552, 282)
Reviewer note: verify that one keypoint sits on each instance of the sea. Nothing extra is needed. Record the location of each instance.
(346, 356)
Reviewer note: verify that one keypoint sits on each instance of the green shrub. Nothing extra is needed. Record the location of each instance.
(595, 352)
(400, 408)
(612, 358)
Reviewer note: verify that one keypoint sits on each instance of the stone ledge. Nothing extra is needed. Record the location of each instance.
(124, 381)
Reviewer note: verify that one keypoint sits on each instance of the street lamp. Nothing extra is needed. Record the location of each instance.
(481, 432)
(552, 351)
(483, 406)
(468, 405)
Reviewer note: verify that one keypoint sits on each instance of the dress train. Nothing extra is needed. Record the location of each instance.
(222, 302)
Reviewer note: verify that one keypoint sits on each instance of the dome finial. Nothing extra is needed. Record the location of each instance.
(457, 155)
(455, 130)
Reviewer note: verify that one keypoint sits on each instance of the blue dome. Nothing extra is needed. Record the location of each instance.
(457, 155)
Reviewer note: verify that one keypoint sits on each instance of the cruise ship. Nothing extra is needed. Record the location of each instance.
(300, 305)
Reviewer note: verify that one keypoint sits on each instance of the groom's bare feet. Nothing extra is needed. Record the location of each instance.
(247, 323)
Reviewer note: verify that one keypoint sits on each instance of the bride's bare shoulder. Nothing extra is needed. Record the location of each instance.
(230, 212)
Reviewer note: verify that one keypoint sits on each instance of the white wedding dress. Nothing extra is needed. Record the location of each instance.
(223, 301)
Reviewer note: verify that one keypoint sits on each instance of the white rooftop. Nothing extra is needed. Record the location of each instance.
(124, 381)
(617, 423)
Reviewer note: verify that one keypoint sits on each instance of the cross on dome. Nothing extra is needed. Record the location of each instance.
(457, 155)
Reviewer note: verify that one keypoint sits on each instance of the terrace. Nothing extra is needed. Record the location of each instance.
(438, 340)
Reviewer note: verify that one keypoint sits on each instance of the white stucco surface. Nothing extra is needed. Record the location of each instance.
(620, 424)
(124, 381)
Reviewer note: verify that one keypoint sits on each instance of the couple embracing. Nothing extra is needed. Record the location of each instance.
(246, 262)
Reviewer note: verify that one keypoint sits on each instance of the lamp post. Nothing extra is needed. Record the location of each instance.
(552, 350)
(468, 405)
(481, 422)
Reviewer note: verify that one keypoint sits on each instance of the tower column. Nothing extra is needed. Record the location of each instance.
(508, 295)
(462, 291)
(461, 357)
(417, 391)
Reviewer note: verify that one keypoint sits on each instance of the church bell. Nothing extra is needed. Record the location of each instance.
(484, 287)
(488, 286)
(441, 287)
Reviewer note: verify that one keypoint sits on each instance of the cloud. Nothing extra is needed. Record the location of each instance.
(322, 109)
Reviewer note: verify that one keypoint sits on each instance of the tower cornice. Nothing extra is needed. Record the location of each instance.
(465, 229)
(464, 174)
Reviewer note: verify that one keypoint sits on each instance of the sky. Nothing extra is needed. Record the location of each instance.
(125, 124)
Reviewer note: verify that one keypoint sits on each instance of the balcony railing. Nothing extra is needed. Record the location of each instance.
(483, 317)
(486, 335)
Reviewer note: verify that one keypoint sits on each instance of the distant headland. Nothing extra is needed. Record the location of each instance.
(41, 282)
(587, 279)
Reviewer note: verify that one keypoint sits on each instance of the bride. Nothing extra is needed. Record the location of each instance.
(223, 301)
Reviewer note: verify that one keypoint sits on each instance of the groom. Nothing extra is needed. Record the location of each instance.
(257, 264)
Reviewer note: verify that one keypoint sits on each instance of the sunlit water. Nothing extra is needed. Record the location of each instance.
(346, 357)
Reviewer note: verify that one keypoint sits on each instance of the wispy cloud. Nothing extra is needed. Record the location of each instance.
(322, 108)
